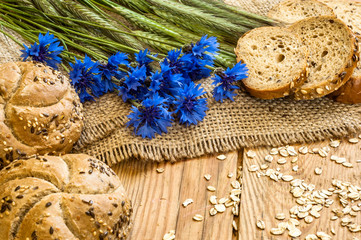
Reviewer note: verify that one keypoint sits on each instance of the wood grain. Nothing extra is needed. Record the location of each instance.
(263, 198)
(157, 197)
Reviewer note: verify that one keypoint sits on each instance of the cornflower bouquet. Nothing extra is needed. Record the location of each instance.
(161, 93)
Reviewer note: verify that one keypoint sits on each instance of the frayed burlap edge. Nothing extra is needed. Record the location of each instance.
(158, 154)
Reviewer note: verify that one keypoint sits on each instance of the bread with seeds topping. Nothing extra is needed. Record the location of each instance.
(74, 196)
(40, 112)
(276, 60)
(333, 57)
(349, 11)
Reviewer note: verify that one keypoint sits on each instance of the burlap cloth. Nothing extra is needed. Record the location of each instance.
(229, 126)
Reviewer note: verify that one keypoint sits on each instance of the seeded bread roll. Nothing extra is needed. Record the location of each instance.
(349, 11)
(276, 60)
(333, 55)
(70, 197)
(291, 11)
(40, 112)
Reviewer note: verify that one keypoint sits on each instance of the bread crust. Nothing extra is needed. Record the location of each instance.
(74, 196)
(278, 92)
(276, 10)
(40, 112)
(349, 93)
(339, 78)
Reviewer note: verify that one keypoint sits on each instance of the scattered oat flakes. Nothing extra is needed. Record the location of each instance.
(235, 184)
(187, 202)
(284, 153)
(333, 231)
(277, 231)
(230, 175)
(295, 159)
(322, 153)
(347, 164)
(220, 208)
(253, 168)
(358, 161)
(212, 211)
(221, 157)
(353, 140)
(213, 199)
(170, 235)
(311, 237)
(280, 216)
(222, 200)
(234, 225)
(340, 160)
(251, 154)
(207, 177)
(287, 178)
(323, 236)
(303, 150)
(211, 188)
(318, 171)
(295, 232)
(281, 161)
(273, 151)
(264, 166)
(160, 170)
(335, 143)
(295, 168)
(260, 224)
(268, 158)
(308, 219)
(198, 218)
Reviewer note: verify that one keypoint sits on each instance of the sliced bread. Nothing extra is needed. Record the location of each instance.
(349, 11)
(276, 59)
(291, 11)
(333, 55)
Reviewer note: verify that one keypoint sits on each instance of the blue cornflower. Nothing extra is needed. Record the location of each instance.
(198, 56)
(150, 118)
(133, 85)
(166, 83)
(111, 69)
(189, 109)
(206, 48)
(143, 60)
(225, 81)
(46, 51)
(85, 76)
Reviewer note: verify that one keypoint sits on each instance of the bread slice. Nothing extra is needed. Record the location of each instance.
(349, 11)
(333, 55)
(276, 59)
(291, 11)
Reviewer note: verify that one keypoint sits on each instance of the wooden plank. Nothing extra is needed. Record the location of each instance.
(263, 198)
(158, 197)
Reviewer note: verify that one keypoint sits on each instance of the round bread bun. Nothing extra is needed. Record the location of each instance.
(70, 197)
(40, 112)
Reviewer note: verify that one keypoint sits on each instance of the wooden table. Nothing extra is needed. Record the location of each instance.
(157, 197)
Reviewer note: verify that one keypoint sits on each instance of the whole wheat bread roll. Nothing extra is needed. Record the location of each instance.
(349, 11)
(334, 55)
(70, 197)
(276, 59)
(39, 111)
(291, 11)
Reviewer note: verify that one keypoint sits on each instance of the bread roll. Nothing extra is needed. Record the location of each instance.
(40, 112)
(70, 197)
